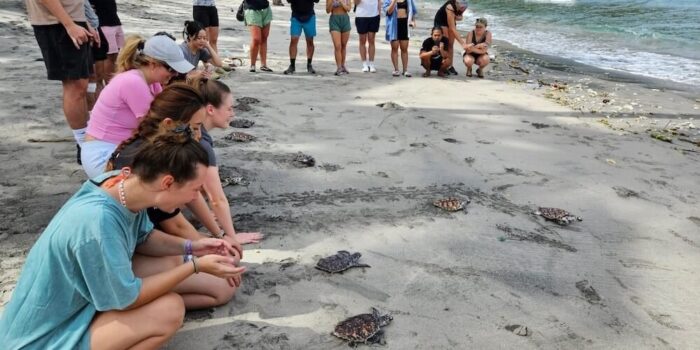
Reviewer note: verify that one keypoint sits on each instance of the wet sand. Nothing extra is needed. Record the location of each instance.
(622, 278)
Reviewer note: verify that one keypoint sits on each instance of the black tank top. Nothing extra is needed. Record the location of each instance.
(441, 14)
(402, 5)
(483, 39)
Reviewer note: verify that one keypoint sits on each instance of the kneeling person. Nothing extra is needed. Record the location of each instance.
(434, 54)
(303, 19)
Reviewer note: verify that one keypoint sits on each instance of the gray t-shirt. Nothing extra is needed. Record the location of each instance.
(201, 55)
(208, 143)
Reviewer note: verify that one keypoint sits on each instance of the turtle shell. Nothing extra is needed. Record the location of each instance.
(241, 123)
(357, 329)
(238, 136)
(450, 204)
(339, 262)
(303, 160)
(561, 216)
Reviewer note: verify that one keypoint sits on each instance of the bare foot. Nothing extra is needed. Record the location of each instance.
(426, 74)
(249, 237)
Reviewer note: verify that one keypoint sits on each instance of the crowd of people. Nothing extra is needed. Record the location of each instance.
(120, 259)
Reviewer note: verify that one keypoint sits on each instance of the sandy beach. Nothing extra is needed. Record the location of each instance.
(620, 151)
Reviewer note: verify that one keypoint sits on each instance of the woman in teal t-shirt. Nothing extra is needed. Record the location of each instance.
(77, 289)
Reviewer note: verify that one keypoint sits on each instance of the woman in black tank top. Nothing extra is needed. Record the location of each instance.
(446, 18)
(478, 42)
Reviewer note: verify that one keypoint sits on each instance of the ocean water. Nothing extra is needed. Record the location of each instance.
(653, 38)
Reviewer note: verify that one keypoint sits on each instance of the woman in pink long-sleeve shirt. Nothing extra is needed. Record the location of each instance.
(142, 67)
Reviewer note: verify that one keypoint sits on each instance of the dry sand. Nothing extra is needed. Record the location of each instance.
(625, 277)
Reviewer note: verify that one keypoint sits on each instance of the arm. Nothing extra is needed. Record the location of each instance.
(425, 54)
(443, 50)
(179, 226)
(347, 5)
(390, 9)
(452, 24)
(78, 34)
(215, 59)
(201, 211)
(329, 6)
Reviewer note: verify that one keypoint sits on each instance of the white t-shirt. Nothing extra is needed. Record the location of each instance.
(367, 8)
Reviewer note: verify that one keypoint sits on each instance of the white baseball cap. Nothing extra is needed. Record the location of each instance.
(165, 49)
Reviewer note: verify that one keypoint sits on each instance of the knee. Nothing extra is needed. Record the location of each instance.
(76, 88)
(170, 311)
(255, 40)
(223, 294)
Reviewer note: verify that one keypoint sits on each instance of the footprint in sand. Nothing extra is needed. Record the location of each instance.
(450, 140)
(589, 293)
(517, 329)
(419, 145)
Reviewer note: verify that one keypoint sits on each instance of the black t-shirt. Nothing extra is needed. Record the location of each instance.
(429, 43)
(257, 4)
(106, 11)
(302, 9)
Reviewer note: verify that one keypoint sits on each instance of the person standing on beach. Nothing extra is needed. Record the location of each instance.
(258, 16)
(446, 18)
(111, 26)
(303, 19)
(143, 67)
(367, 21)
(78, 288)
(98, 53)
(339, 26)
(63, 36)
(434, 54)
(399, 15)
(478, 42)
(205, 12)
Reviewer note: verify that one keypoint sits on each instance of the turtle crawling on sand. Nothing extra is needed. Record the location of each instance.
(241, 123)
(560, 216)
(302, 160)
(233, 181)
(364, 328)
(451, 203)
(238, 136)
(340, 262)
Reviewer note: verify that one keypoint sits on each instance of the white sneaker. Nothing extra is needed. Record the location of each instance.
(372, 69)
(365, 68)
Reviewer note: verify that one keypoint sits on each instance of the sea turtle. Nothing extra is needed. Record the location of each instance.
(363, 328)
(233, 181)
(560, 216)
(302, 160)
(451, 203)
(241, 123)
(247, 100)
(239, 137)
(340, 262)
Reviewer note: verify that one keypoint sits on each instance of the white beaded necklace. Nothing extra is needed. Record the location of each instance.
(122, 195)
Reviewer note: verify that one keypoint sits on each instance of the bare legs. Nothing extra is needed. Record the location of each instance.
(482, 61)
(397, 45)
(75, 103)
(258, 44)
(340, 46)
(146, 327)
(213, 35)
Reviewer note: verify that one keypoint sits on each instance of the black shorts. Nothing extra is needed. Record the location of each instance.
(402, 28)
(62, 60)
(435, 63)
(100, 53)
(207, 16)
(365, 25)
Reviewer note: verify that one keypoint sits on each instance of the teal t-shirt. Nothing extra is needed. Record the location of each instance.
(81, 264)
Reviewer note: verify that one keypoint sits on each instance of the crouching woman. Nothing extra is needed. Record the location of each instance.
(77, 289)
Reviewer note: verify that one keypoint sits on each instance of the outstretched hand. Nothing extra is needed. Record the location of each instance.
(206, 246)
(222, 267)
(249, 237)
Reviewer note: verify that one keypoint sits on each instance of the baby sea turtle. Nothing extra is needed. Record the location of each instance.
(241, 123)
(363, 328)
(239, 137)
(247, 100)
(302, 160)
(560, 216)
(340, 262)
(451, 203)
(233, 181)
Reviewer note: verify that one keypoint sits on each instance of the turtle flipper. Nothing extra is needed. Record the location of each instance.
(360, 265)
(377, 338)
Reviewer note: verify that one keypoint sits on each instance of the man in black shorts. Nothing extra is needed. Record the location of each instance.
(63, 37)
(434, 54)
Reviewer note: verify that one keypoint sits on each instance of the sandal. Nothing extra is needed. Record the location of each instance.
(252, 69)
(265, 69)
(469, 72)
(396, 73)
(426, 74)
(407, 74)
(480, 73)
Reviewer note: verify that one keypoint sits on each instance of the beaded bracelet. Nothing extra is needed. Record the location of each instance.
(188, 247)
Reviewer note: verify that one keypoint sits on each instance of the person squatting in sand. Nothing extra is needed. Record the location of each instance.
(81, 265)
(478, 42)
(258, 16)
(303, 19)
(143, 66)
(400, 14)
(339, 26)
(446, 18)
(367, 19)
(434, 54)
(63, 36)
(196, 48)
(205, 13)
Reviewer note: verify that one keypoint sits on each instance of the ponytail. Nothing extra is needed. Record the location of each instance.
(212, 91)
(131, 55)
(173, 153)
(192, 28)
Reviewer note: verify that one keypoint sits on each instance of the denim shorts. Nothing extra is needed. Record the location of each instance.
(95, 154)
